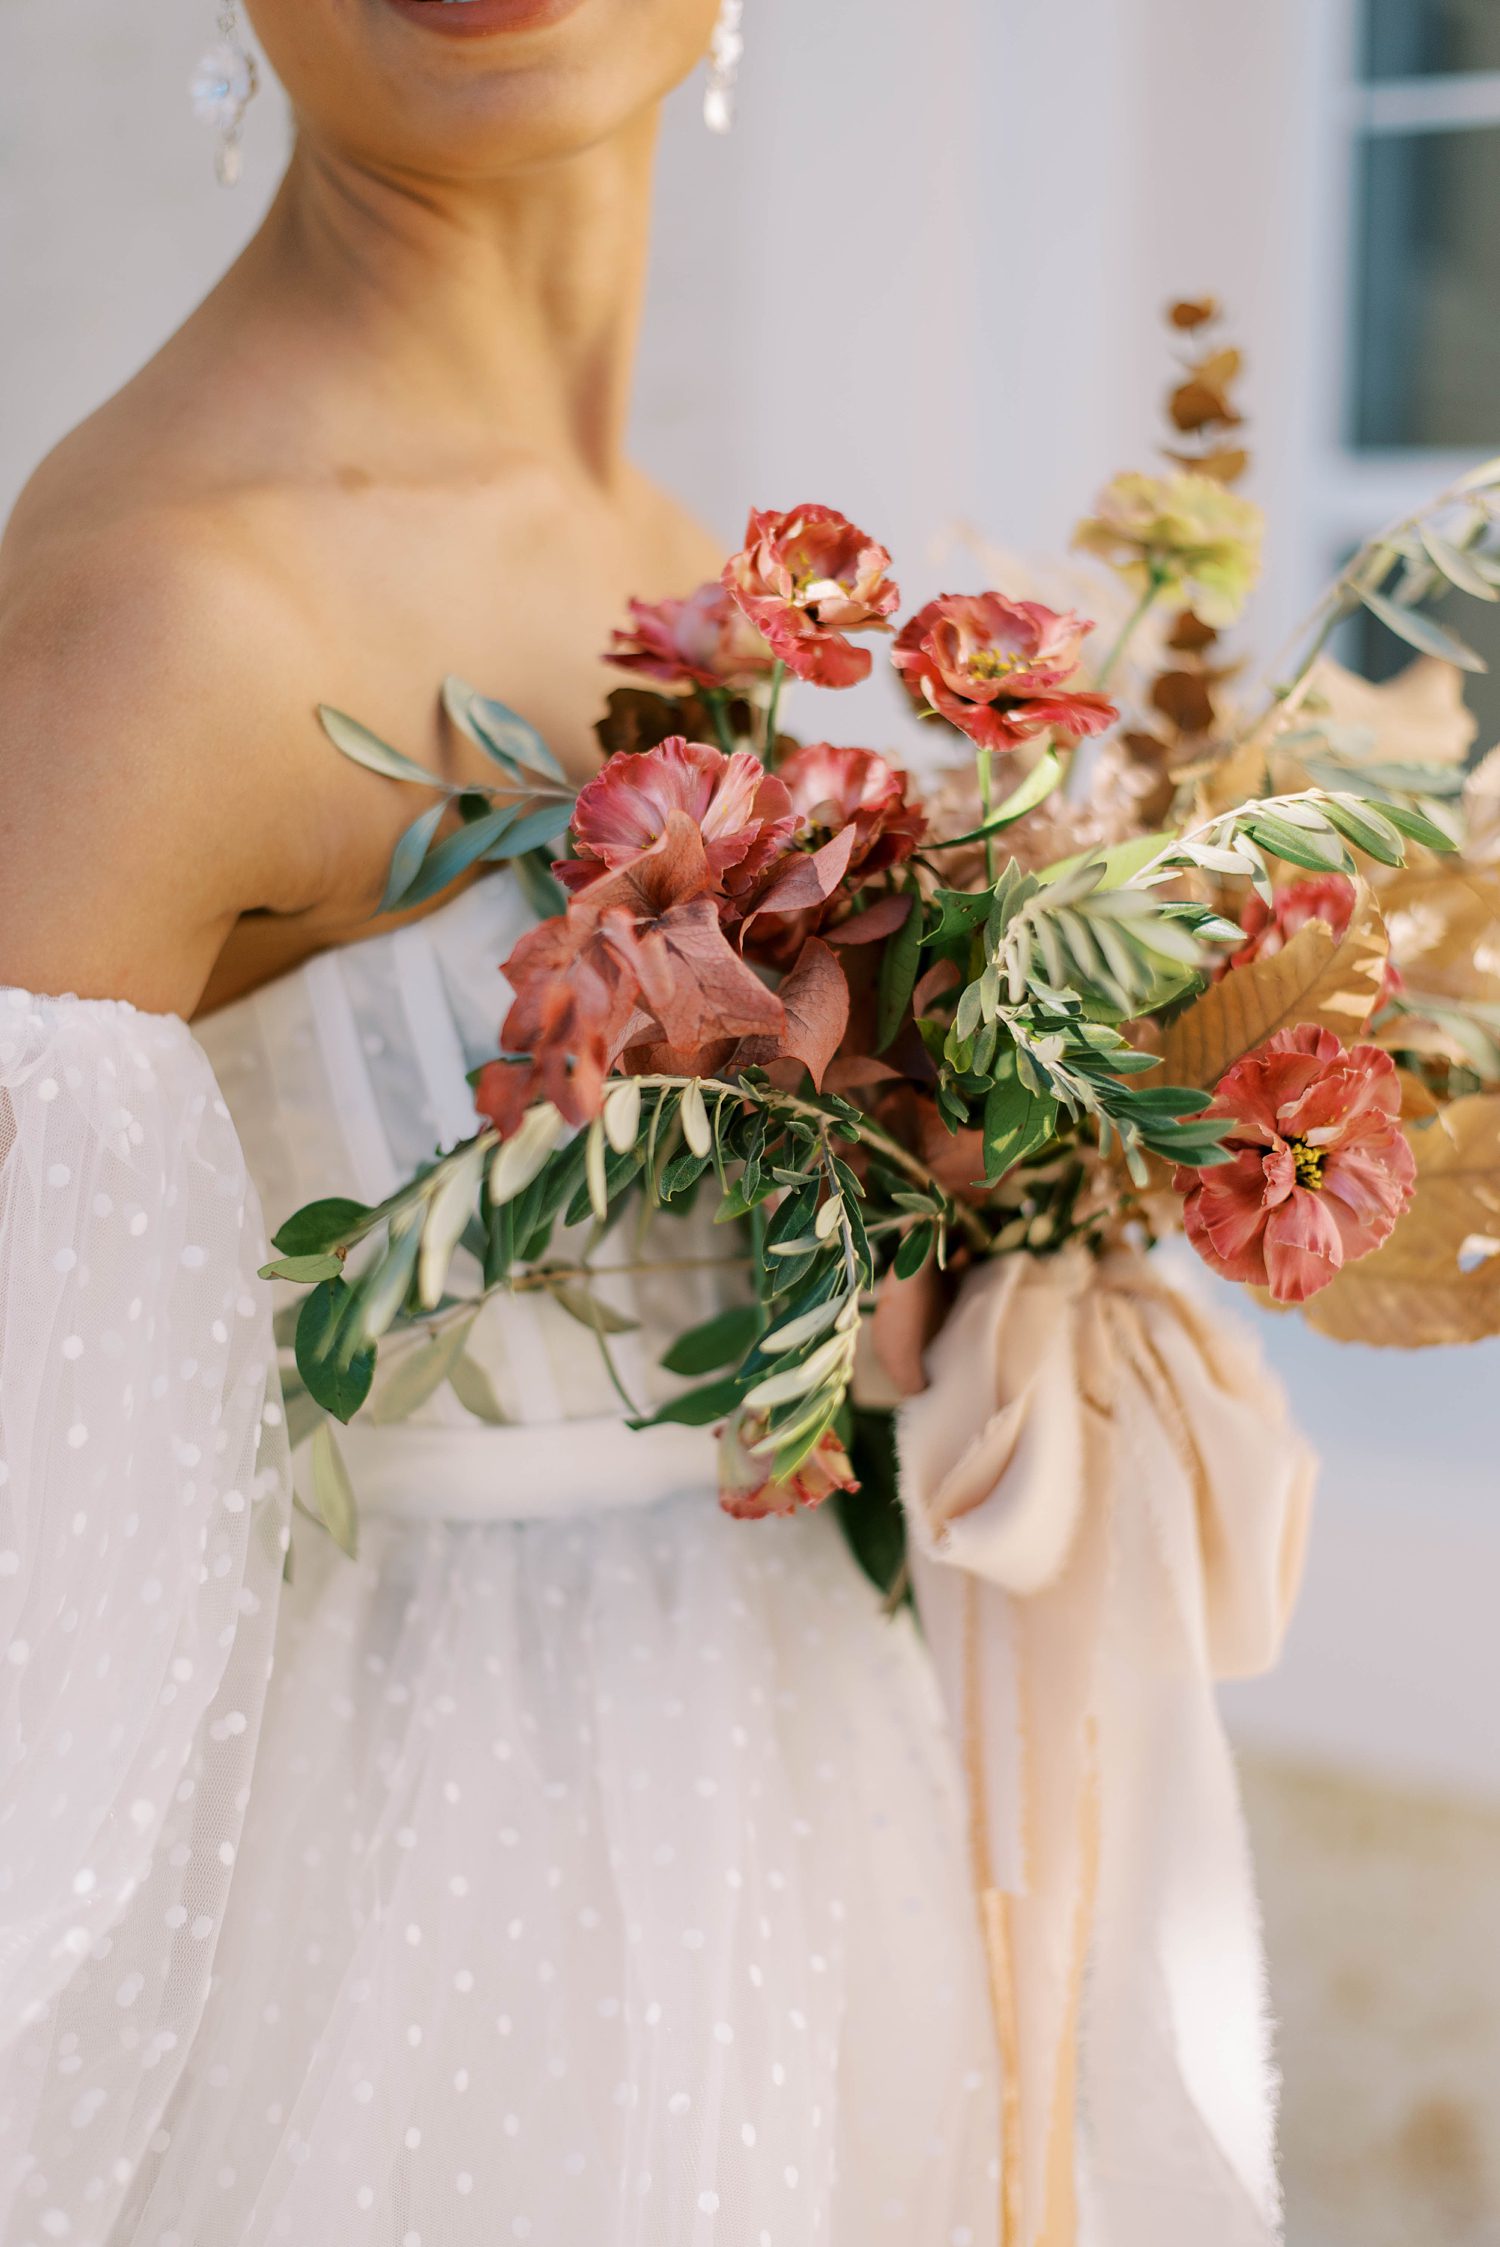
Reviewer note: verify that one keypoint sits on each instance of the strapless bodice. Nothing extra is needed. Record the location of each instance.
(347, 1073)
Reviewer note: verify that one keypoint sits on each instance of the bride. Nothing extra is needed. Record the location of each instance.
(574, 1865)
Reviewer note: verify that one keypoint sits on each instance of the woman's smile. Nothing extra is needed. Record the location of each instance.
(483, 18)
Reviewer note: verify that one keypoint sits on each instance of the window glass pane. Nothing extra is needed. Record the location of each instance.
(1416, 38)
(1371, 648)
(1427, 309)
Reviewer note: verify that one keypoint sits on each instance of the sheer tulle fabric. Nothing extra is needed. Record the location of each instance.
(143, 1503)
(605, 1884)
(596, 1880)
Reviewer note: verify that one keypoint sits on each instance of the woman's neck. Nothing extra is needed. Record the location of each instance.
(507, 307)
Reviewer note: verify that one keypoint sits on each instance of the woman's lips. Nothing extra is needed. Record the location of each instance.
(478, 19)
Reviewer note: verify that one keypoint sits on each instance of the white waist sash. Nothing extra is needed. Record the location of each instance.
(556, 1471)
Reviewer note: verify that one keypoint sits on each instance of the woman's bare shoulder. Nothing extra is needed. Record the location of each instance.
(141, 644)
(685, 552)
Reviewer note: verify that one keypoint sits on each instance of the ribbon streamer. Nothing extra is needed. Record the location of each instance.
(1108, 1509)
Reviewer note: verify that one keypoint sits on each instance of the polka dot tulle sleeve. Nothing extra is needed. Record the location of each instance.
(144, 1493)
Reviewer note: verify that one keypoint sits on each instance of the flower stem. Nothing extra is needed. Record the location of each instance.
(1156, 583)
(718, 706)
(891, 1150)
(773, 704)
(985, 766)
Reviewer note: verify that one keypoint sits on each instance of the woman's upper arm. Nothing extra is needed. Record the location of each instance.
(138, 818)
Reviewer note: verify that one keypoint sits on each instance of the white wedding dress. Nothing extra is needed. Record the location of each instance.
(576, 1866)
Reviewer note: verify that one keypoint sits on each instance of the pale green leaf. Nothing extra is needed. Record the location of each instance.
(695, 1124)
(1421, 632)
(365, 748)
(448, 1212)
(475, 1391)
(525, 1153)
(1459, 567)
(418, 1373)
(622, 1114)
(333, 1492)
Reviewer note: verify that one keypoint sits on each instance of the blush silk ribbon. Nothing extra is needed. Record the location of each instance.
(1108, 1509)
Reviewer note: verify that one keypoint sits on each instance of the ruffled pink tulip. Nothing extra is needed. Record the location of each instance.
(998, 669)
(704, 641)
(833, 788)
(806, 579)
(736, 805)
(1320, 1169)
(746, 1488)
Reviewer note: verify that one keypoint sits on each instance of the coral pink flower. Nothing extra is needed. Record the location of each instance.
(736, 805)
(705, 641)
(1270, 928)
(1320, 1169)
(806, 579)
(832, 788)
(746, 1488)
(998, 669)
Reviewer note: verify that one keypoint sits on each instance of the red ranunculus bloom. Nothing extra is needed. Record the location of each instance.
(704, 641)
(746, 1488)
(1320, 1167)
(736, 805)
(832, 788)
(1320, 897)
(806, 579)
(998, 669)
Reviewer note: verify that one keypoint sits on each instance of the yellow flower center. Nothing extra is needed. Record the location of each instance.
(991, 663)
(1308, 1163)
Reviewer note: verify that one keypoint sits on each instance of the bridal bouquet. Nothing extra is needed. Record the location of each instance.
(1154, 948)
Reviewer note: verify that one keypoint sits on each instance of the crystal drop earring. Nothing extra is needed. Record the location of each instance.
(224, 85)
(725, 50)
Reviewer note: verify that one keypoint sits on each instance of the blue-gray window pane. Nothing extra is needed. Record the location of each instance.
(1427, 306)
(1423, 38)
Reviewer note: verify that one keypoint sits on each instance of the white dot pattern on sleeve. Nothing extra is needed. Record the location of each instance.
(577, 1881)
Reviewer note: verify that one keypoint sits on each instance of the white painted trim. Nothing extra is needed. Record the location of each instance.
(1427, 105)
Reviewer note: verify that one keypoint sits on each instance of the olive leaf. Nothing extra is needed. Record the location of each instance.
(333, 1492)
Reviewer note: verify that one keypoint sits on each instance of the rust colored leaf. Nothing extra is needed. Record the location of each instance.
(881, 919)
(814, 999)
(1332, 982)
(809, 878)
(1193, 312)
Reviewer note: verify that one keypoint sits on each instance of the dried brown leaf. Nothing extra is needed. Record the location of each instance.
(1331, 982)
(1190, 635)
(1445, 930)
(1226, 464)
(1418, 718)
(1435, 1281)
(815, 1001)
(1184, 699)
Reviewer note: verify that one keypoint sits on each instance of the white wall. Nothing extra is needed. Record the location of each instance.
(922, 281)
